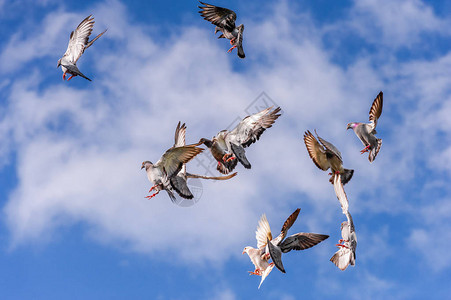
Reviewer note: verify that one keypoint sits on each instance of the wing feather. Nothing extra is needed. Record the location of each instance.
(302, 241)
(174, 158)
(376, 109)
(329, 147)
(263, 232)
(315, 151)
(79, 39)
(287, 225)
(219, 16)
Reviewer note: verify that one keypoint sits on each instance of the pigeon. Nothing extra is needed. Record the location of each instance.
(168, 166)
(260, 256)
(78, 43)
(224, 19)
(325, 156)
(228, 146)
(340, 193)
(298, 241)
(179, 182)
(347, 245)
(366, 131)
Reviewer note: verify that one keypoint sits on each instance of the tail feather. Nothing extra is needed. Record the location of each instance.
(374, 151)
(346, 176)
(241, 155)
(241, 52)
(75, 71)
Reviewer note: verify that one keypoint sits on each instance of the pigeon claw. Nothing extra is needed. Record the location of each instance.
(366, 149)
(232, 41)
(226, 157)
(71, 76)
(230, 50)
(256, 272)
(340, 245)
(152, 188)
(151, 196)
(64, 76)
(230, 158)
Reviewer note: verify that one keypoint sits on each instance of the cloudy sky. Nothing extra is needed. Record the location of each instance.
(74, 220)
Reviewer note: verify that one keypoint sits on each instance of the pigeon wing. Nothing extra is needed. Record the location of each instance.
(287, 225)
(376, 110)
(249, 130)
(329, 147)
(173, 159)
(340, 193)
(219, 16)
(263, 232)
(302, 241)
(316, 151)
(79, 39)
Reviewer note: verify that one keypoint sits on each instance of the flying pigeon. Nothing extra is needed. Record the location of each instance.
(78, 43)
(325, 156)
(347, 245)
(178, 182)
(227, 146)
(366, 131)
(260, 256)
(340, 193)
(168, 166)
(298, 241)
(224, 19)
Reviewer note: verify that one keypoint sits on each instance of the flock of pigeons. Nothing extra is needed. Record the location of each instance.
(228, 148)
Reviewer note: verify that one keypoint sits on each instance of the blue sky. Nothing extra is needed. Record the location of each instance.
(74, 220)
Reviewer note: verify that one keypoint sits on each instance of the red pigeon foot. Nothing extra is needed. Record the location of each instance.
(230, 50)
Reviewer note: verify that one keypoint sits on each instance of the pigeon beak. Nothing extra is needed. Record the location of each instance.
(349, 126)
(142, 167)
(244, 251)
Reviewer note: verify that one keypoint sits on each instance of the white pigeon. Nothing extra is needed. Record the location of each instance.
(78, 43)
(347, 245)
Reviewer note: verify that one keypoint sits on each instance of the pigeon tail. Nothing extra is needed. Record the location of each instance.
(276, 255)
(171, 195)
(241, 52)
(241, 155)
(180, 186)
(73, 70)
(346, 176)
(374, 151)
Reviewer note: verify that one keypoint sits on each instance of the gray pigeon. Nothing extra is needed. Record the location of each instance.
(168, 166)
(326, 156)
(366, 131)
(347, 245)
(227, 146)
(78, 43)
(224, 19)
(179, 182)
(298, 241)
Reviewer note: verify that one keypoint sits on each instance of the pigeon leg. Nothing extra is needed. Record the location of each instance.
(152, 188)
(71, 76)
(232, 41)
(151, 196)
(340, 245)
(231, 158)
(64, 76)
(366, 149)
(230, 50)
(256, 272)
(224, 158)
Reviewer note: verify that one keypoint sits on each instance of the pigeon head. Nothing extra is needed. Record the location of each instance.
(59, 63)
(146, 164)
(246, 249)
(206, 142)
(344, 224)
(352, 125)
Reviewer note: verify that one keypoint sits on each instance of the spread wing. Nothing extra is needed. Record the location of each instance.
(219, 16)
(316, 151)
(263, 232)
(173, 159)
(376, 109)
(287, 225)
(340, 193)
(180, 132)
(329, 147)
(249, 130)
(79, 39)
(301, 241)
(179, 141)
